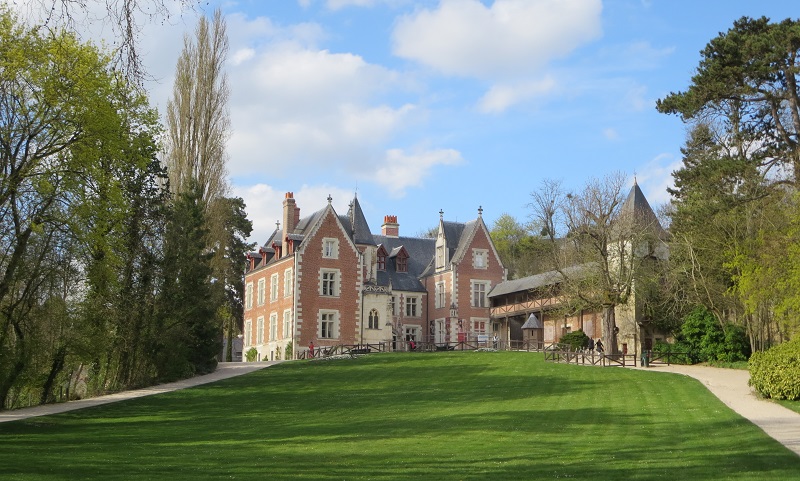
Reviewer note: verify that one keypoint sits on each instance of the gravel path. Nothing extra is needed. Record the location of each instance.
(730, 386)
(224, 371)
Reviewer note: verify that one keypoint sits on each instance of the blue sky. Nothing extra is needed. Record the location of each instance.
(454, 104)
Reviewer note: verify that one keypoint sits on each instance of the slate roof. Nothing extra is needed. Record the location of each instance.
(533, 322)
(359, 228)
(420, 251)
(637, 209)
(534, 282)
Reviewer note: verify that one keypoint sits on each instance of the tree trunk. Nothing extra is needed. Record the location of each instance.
(55, 369)
(610, 329)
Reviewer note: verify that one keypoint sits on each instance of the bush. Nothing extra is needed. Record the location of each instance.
(576, 340)
(251, 355)
(287, 354)
(775, 373)
(705, 335)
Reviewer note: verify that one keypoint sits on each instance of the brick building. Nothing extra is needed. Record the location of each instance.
(326, 279)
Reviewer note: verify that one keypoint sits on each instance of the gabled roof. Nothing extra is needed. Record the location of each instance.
(467, 233)
(533, 322)
(419, 250)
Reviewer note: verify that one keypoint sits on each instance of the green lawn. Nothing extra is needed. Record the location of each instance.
(442, 416)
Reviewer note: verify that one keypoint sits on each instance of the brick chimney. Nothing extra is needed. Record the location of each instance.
(291, 217)
(390, 227)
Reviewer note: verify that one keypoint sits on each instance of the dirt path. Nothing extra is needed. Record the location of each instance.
(224, 371)
(730, 386)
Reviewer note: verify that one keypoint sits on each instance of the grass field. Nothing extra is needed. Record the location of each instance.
(442, 416)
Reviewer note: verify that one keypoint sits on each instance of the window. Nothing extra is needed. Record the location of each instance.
(248, 296)
(402, 263)
(329, 284)
(440, 296)
(273, 288)
(287, 323)
(288, 283)
(381, 262)
(248, 332)
(479, 293)
(439, 257)
(260, 333)
(374, 319)
(393, 306)
(411, 306)
(479, 257)
(330, 248)
(327, 325)
(273, 326)
(479, 327)
(261, 289)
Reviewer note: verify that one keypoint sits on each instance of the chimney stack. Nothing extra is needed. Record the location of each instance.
(291, 217)
(390, 227)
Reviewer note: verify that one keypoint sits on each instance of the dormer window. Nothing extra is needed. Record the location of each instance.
(381, 258)
(402, 263)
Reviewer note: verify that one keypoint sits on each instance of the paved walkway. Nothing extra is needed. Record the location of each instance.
(224, 371)
(730, 386)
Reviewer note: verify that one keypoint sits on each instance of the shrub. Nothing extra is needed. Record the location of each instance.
(576, 340)
(706, 336)
(775, 373)
(287, 354)
(251, 355)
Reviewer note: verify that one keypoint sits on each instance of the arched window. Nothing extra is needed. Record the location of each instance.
(373, 319)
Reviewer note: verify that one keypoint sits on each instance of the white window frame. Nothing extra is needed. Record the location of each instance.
(329, 287)
(273, 288)
(412, 306)
(261, 291)
(328, 325)
(476, 294)
(248, 296)
(330, 248)
(260, 330)
(441, 297)
(248, 332)
(288, 283)
(480, 258)
(273, 326)
(287, 323)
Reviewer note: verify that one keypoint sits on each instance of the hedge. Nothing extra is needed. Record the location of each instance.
(775, 373)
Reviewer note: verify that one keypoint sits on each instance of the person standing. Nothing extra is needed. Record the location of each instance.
(599, 346)
(311, 348)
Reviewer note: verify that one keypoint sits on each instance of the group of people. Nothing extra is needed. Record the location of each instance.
(592, 345)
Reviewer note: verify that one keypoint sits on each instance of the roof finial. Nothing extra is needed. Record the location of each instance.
(277, 225)
(441, 214)
(480, 211)
(634, 178)
(330, 199)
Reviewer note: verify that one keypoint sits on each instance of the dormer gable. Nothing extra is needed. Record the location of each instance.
(380, 257)
(400, 256)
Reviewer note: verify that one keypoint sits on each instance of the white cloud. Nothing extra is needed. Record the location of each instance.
(401, 170)
(501, 96)
(509, 39)
(610, 133)
(656, 176)
(296, 107)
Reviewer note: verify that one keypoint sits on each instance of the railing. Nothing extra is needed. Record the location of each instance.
(670, 357)
(560, 353)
